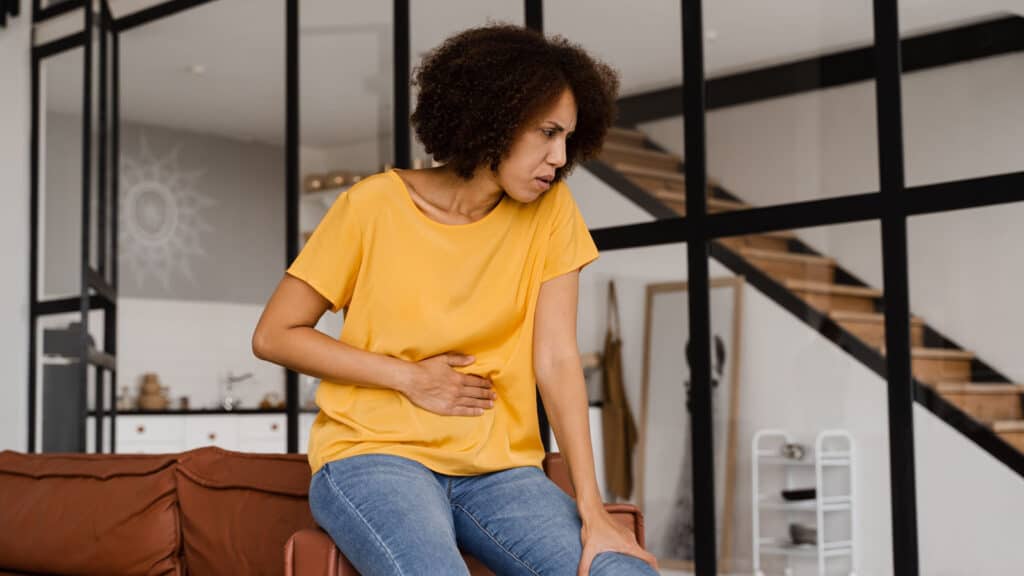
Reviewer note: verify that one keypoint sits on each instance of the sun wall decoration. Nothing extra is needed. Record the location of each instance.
(162, 217)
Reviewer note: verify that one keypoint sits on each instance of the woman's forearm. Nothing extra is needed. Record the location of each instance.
(565, 400)
(309, 351)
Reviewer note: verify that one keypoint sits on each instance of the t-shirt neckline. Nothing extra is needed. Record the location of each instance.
(412, 205)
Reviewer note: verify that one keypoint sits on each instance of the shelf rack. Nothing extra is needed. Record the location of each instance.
(832, 449)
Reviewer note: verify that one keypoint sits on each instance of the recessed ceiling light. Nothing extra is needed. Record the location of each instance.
(197, 69)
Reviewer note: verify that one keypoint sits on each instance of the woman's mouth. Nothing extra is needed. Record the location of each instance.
(542, 183)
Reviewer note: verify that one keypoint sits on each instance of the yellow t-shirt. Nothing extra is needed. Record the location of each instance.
(413, 288)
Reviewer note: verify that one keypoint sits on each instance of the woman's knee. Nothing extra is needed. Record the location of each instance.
(618, 564)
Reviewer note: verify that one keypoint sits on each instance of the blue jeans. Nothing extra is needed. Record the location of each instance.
(392, 515)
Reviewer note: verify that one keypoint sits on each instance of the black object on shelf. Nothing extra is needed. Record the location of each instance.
(803, 534)
(799, 494)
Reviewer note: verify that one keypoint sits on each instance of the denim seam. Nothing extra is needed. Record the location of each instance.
(495, 540)
(376, 536)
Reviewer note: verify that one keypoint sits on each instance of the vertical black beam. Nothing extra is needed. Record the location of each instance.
(86, 222)
(705, 551)
(115, 193)
(896, 285)
(292, 193)
(33, 251)
(534, 21)
(535, 14)
(101, 231)
(403, 137)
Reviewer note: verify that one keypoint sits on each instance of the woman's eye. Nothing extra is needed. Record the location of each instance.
(548, 133)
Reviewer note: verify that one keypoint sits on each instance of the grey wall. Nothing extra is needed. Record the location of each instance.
(208, 223)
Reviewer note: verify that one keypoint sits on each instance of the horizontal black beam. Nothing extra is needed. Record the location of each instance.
(40, 13)
(641, 235)
(824, 212)
(155, 13)
(963, 194)
(926, 199)
(65, 305)
(76, 40)
(981, 40)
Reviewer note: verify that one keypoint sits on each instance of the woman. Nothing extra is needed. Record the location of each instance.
(459, 285)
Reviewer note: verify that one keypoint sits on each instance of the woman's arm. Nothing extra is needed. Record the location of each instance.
(560, 380)
(286, 335)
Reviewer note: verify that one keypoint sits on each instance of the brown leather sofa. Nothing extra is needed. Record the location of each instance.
(203, 512)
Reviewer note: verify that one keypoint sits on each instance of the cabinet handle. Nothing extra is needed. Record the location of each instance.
(212, 435)
(140, 429)
(274, 426)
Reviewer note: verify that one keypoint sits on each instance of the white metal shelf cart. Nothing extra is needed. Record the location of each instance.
(833, 449)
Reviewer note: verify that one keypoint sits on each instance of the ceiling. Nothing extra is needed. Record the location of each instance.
(219, 67)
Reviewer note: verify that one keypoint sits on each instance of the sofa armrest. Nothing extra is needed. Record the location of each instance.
(630, 517)
(311, 552)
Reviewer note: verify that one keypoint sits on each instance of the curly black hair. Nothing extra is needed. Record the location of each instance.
(481, 86)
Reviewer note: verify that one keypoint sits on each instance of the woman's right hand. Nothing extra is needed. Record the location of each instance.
(438, 388)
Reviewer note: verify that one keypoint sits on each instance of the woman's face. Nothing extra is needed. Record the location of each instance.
(539, 149)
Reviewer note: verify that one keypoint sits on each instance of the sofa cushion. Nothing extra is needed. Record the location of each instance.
(239, 509)
(88, 514)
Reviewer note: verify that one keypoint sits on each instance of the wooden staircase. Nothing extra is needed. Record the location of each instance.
(813, 278)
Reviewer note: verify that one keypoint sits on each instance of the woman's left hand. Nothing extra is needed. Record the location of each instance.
(600, 533)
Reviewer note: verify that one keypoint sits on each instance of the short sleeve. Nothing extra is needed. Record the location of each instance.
(330, 260)
(570, 245)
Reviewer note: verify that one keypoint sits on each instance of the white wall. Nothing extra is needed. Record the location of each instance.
(15, 113)
(961, 121)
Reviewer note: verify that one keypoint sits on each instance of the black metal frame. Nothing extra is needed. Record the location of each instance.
(891, 206)
(1002, 35)
(98, 286)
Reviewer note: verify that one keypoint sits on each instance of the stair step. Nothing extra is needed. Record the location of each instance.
(790, 265)
(767, 241)
(1012, 432)
(833, 297)
(614, 153)
(870, 327)
(985, 402)
(625, 136)
(931, 365)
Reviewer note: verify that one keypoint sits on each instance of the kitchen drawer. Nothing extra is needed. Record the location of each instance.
(262, 427)
(150, 447)
(221, 431)
(278, 446)
(160, 429)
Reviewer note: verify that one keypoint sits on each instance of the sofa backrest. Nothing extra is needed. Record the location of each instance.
(238, 509)
(89, 514)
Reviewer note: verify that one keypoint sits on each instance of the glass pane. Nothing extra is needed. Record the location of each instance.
(790, 113)
(797, 337)
(961, 114)
(642, 41)
(202, 207)
(60, 175)
(965, 284)
(347, 117)
(631, 271)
